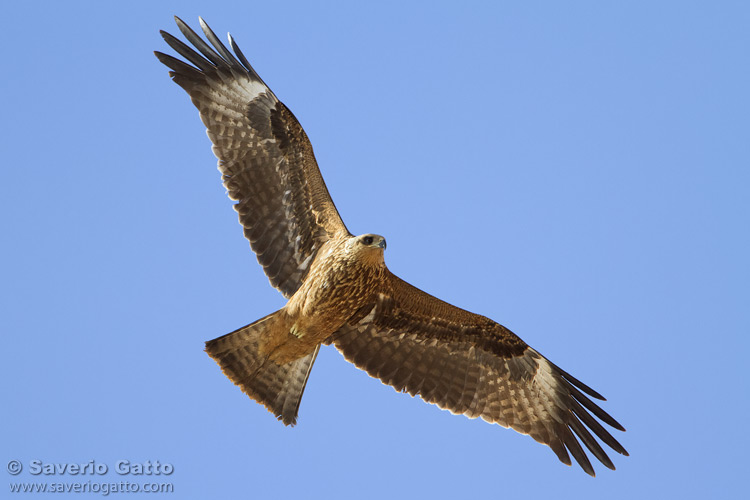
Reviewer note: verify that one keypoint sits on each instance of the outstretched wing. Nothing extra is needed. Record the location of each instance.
(265, 157)
(468, 364)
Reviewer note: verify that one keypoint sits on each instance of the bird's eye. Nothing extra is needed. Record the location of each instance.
(367, 240)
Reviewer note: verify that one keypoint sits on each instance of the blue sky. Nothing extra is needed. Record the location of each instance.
(577, 172)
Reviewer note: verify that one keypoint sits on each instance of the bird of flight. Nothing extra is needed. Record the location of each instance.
(340, 291)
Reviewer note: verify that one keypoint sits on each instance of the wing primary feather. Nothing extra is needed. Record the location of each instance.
(245, 62)
(559, 449)
(198, 42)
(593, 408)
(600, 431)
(187, 52)
(572, 444)
(176, 65)
(570, 378)
(588, 440)
(223, 51)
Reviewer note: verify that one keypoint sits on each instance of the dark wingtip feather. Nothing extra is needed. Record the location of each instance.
(572, 444)
(588, 440)
(600, 431)
(588, 390)
(199, 44)
(562, 454)
(187, 52)
(593, 408)
(245, 62)
(182, 73)
(239, 54)
(201, 57)
(220, 48)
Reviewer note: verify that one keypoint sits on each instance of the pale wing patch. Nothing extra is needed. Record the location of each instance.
(547, 382)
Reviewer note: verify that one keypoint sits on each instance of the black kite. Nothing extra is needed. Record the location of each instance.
(340, 291)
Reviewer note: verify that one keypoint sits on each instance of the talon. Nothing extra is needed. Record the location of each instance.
(296, 332)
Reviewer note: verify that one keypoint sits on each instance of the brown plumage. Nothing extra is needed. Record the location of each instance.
(341, 292)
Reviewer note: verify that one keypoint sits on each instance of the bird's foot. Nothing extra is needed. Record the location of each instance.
(296, 331)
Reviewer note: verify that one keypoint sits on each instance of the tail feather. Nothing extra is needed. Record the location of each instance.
(278, 387)
(295, 380)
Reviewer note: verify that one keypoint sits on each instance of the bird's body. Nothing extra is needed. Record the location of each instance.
(330, 297)
(340, 291)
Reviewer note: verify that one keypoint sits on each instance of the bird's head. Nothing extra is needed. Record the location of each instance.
(368, 246)
(374, 241)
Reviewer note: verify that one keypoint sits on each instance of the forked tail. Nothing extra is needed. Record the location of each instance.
(278, 387)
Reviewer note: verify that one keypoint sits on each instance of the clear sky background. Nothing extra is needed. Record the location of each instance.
(576, 171)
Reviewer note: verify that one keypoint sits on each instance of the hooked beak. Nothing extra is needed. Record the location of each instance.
(381, 244)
